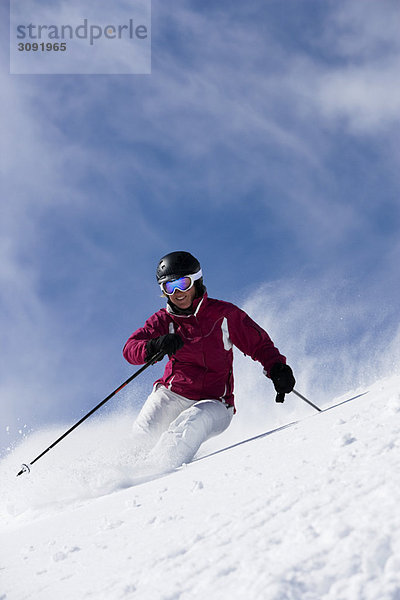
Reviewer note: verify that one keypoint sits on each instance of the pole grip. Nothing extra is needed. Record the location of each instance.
(280, 397)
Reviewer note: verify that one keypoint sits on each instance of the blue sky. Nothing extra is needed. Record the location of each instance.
(265, 141)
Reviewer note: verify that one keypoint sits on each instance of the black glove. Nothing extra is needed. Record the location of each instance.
(283, 380)
(168, 344)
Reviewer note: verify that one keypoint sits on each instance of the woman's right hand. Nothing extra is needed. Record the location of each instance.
(167, 344)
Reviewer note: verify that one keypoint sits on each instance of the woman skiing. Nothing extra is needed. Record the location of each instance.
(193, 401)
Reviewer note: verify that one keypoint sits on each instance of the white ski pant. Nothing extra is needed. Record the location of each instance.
(174, 427)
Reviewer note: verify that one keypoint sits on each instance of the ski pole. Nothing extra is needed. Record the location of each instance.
(26, 468)
(308, 401)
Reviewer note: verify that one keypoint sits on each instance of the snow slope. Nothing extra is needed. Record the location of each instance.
(310, 512)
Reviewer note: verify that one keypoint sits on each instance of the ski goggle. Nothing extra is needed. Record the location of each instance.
(183, 284)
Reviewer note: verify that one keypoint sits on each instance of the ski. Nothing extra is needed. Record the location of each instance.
(272, 431)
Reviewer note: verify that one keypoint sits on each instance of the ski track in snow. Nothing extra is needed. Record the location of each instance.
(308, 513)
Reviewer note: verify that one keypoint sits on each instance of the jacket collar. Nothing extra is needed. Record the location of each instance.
(196, 306)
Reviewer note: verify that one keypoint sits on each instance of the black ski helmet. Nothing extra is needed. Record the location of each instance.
(175, 265)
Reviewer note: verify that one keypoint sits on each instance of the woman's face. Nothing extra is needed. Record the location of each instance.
(183, 299)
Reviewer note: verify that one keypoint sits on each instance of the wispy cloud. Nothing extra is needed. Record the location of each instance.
(360, 87)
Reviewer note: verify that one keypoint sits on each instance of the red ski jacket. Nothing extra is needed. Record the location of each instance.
(202, 368)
